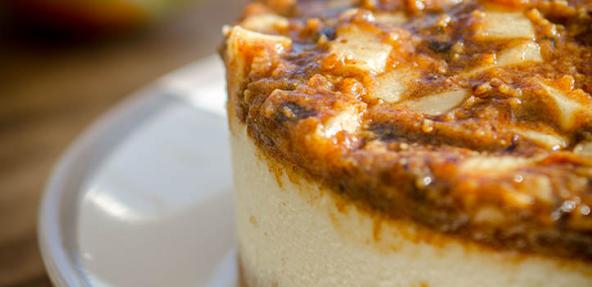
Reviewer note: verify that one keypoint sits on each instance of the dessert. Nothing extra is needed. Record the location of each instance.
(412, 143)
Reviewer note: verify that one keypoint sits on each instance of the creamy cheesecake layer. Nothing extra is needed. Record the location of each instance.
(293, 232)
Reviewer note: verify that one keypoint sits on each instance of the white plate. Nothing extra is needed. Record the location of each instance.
(143, 197)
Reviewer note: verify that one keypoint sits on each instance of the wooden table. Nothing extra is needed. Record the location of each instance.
(50, 93)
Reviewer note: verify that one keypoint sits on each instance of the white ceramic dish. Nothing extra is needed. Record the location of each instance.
(143, 197)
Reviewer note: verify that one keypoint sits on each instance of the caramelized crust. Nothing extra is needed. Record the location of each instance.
(473, 118)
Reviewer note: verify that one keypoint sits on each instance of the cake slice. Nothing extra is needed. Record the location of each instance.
(412, 143)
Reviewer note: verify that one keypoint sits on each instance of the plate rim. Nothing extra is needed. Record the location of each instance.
(63, 186)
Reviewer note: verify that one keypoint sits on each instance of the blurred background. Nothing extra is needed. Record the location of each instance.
(62, 64)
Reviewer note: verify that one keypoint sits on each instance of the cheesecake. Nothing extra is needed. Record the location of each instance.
(387, 143)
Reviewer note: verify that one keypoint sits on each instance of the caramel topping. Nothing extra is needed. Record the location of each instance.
(470, 117)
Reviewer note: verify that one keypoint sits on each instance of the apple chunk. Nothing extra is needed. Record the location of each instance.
(360, 48)
(438, 104)
(500, 25)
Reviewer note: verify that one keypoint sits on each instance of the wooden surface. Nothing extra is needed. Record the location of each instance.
(50, 92)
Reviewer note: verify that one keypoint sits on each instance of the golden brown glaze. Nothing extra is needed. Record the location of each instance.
(473, 118)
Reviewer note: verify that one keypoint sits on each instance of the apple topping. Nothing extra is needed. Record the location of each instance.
(240, 41)
(584, 148)
(347, 120)
(525, 52)
(394, 19)
(492, 164)
(547, 140)
(243, 45)
(504, 25)
(566, 109)
(264, 23)
(438, 104)
(522, 53)
(360, 48)
(391, 85)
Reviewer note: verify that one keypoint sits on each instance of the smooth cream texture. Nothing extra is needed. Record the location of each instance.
(293, 235)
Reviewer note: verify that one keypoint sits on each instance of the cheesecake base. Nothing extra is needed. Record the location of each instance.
(293, 232)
